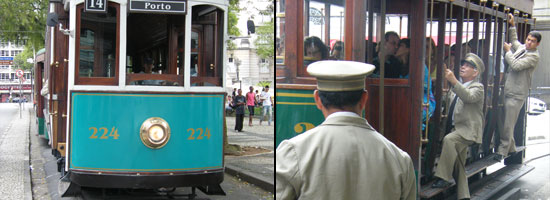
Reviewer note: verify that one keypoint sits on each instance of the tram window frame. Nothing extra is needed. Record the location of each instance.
(113, 80)
(302, 67)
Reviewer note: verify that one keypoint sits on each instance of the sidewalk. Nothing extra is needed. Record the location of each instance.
(15, 182)
(256, 169)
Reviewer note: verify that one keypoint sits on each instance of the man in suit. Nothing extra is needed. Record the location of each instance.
(344, 157)
(465, 121)
(522, 61)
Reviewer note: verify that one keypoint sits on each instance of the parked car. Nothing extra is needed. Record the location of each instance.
(535, 106)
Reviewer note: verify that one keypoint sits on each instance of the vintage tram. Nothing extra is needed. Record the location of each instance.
(352, 29)
(132, 93)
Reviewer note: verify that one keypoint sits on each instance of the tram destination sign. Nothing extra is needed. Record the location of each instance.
(149, 6)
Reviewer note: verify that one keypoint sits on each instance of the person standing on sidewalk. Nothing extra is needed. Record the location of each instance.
(522, 61)
(251, 103)
(344, 157)
(267, 100)
(239, 101)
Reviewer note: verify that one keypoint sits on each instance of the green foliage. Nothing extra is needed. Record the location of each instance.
(265, 35)
(20, 61)
(232, 19)
(23, 20)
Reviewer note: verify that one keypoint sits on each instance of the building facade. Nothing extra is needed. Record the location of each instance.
(10, 86)
(244, 66)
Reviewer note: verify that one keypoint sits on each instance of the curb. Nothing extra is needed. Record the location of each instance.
(27, 188)
(258, 181)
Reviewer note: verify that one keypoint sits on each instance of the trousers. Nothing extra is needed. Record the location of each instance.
(453, 158)
(512, 107)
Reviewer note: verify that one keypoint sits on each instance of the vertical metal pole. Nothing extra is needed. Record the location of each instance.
(382, 63)
(20, 94)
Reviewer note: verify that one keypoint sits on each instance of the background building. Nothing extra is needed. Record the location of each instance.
(9, 82)
(245, 67)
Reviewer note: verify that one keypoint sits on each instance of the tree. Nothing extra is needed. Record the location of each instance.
(21, 59)
(232, 19)
(23, 20)
(265, 35)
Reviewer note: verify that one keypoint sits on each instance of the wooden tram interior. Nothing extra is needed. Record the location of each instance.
(394, 105)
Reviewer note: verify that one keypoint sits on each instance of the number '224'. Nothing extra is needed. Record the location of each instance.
(113, 133)
(202, 133)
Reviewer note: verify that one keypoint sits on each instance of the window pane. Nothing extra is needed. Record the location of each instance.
(207, 46)
(323, 31)
(97, 49)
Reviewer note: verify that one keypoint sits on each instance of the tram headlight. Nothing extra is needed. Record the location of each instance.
(154, 132)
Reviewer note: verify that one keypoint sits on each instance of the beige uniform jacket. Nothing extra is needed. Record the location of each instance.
(468, 113)
(343, 158)
(520, 67)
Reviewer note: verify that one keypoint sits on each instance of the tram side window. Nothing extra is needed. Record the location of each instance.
(280, 33)
(97, 41)
(207, 46)
(323, 31)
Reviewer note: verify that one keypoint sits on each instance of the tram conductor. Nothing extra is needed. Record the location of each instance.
(465, 120)
(344, 157)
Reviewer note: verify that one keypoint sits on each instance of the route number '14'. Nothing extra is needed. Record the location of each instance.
(96, 5)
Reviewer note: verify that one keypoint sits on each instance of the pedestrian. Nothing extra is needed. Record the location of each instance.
(267, 100)
(239, 102)
(234, 92)
(250, 102)
(522, 61)
(344, 157)
(465, 122)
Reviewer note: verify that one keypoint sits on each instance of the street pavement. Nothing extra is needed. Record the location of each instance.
(257, 169)
(15, 180)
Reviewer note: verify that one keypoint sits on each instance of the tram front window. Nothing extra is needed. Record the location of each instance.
(155, 49)
(97, 46)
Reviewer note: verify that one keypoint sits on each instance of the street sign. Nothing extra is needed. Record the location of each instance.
(6, 62)
(19, 73)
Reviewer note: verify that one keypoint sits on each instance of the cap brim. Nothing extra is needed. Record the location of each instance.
(469, 62)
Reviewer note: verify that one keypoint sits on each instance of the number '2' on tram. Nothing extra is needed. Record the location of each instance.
(132, 92)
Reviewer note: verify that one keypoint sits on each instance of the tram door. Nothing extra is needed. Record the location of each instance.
(205, 45)
(59, 84)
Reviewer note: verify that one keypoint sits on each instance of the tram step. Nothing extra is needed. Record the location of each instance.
(428, 192)
(493, 183)
(513, 194)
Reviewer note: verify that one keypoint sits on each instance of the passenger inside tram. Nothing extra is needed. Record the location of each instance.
(402, 55)
(431, 59)
(337, 51)
(314, 50)
(148, 68)
(392, 64)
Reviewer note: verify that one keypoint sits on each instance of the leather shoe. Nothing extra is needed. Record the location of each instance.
(440, 183)
(497, 157)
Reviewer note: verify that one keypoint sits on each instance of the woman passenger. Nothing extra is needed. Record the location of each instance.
(402, 54)
(315, 49)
